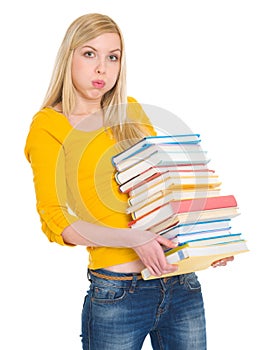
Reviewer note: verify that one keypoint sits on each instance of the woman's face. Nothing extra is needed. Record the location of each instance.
(95, 66)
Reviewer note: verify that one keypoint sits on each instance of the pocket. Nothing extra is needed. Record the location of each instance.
(108, 294)
(191, 282)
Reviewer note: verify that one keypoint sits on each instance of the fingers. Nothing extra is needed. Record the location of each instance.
(152, 256)
(156, 262)
(161, 269)
(158, 271)
(166, 242)
(222, 262)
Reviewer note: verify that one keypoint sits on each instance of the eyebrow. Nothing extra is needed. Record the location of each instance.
(91, 47)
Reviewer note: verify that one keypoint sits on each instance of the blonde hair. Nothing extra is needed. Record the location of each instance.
(114, 102)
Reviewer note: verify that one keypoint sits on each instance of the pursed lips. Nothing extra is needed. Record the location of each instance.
(99, 84)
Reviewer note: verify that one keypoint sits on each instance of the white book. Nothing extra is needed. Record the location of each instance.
(144, 207)
(158, 170)
(197, 227)
(168, 182)
(156, 160)
(205, 238)
(191, 217)
(158, 139)
(138, 201)
(180, 152)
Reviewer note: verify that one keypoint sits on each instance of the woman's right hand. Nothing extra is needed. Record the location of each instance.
(152, 256)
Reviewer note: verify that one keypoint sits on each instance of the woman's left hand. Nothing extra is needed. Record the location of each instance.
(222, 262)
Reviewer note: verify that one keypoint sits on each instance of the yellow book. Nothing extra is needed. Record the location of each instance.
(191, 259)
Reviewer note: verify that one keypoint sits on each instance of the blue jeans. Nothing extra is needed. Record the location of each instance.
(118, 315)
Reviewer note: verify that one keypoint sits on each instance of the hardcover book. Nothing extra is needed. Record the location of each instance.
(190, 258)
(157, 159)
(183, 206)
(156, 140)
(156, 171)
(172, 192)
(178, 152)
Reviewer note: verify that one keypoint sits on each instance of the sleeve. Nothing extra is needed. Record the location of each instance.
(136, 113)
(44, 151)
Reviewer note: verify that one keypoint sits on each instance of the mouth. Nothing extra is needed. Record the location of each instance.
(99, 84)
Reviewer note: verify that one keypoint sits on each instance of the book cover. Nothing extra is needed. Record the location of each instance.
(180, 152)
(182, 238)
(205, 239)
(191, 217)
(151, 140)
(197, 227)
(140, 201)
(183, 193)
(191, 259)
(154, 172)
(172, 183)
(165, 196)
(155, 160)
(183, 206)
(177, 179)
(172, 192)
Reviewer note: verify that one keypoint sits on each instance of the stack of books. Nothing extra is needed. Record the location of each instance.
(173, 192)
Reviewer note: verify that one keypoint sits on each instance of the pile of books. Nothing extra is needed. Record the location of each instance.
(173, 192)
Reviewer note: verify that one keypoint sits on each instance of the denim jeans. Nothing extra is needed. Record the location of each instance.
(118, 315)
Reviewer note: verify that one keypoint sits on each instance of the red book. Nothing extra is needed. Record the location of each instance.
(183, 206)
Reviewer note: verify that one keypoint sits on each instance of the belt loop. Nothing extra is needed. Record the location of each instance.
(134, 283)
(89, 275)
(181, 279)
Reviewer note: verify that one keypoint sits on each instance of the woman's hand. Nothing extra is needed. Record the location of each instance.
(152, 256)
(222, 262)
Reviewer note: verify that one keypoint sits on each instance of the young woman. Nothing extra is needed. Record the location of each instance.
(86, 118)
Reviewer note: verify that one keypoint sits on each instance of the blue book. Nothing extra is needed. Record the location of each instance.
(186, 153)
(208, 240)
(197, 227)
(153, 140)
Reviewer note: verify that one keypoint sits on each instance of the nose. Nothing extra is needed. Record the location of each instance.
(100, 68)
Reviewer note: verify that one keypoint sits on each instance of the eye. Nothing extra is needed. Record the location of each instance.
(89, 54)
(113, 58)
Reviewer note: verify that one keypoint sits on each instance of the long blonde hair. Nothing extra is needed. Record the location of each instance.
(114, 102)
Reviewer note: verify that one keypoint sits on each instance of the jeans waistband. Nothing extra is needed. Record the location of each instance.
(132, 279)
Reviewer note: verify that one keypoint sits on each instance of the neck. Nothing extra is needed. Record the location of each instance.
(85, 107)
(86, 111)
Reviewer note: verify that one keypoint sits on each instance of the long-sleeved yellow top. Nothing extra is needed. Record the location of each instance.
(74, 179)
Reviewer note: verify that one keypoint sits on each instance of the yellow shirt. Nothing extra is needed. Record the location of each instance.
(74, 179)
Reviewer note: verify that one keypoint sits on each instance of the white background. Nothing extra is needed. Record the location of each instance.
(202, 60)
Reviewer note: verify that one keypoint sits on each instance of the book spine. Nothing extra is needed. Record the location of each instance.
(186, 218)
(184, 206)
(153, 140)
(138, 168)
